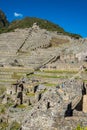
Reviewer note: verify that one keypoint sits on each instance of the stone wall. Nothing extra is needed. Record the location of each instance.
(85, 103)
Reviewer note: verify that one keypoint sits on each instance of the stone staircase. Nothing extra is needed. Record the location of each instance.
(36, 40)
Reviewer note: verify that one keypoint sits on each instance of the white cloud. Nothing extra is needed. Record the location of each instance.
(18, 14)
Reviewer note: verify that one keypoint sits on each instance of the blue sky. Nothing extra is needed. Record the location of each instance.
(69, 14)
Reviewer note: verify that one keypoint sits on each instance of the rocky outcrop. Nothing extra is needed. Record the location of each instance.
(3, 20)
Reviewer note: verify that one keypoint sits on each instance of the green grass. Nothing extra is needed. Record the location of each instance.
(85, 81)
(15, 69)
(61, 71)
(2, 109)
(80, 128)
(44, 24)
(15, 76)
(43, 91)
(21, 106)
(31, 94)
(2, 90)
(50, 84)
(47, 76)
(15, 126)
(3, 125)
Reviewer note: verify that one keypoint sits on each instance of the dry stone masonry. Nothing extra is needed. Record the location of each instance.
(44, 76)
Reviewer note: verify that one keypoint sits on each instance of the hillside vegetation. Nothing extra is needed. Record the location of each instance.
(28, 22)
(3, 20)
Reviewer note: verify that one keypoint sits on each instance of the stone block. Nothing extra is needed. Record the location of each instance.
(85, 103)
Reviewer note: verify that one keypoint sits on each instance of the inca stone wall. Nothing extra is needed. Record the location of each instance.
(85, 103)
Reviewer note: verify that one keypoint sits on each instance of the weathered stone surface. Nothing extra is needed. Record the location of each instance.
(46, 114)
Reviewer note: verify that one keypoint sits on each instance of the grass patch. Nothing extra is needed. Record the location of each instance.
(47, 76)
(2, 109)
(15, 69)
(43, 91)
(15, 76)
(3, 125)
(15, 126)
(2, 90)
(61, 71)
(50, 84)
(21, 106)
(85, 81)
(80, 128)
(30, 94)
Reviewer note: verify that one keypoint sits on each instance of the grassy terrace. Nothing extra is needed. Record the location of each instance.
(14, 69)
(54, 74)
(52, 77)
(47, 76)
(9, 75)
(61, 71)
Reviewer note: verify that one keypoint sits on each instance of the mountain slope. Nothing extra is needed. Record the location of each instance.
(3, 21)
(44, 24)
(28, 22)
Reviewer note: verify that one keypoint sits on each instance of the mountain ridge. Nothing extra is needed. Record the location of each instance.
(27, 22)
(3, 20)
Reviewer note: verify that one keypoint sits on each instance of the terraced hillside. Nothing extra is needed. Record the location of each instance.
(9, 75)
(41, 73)
(35, 48)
